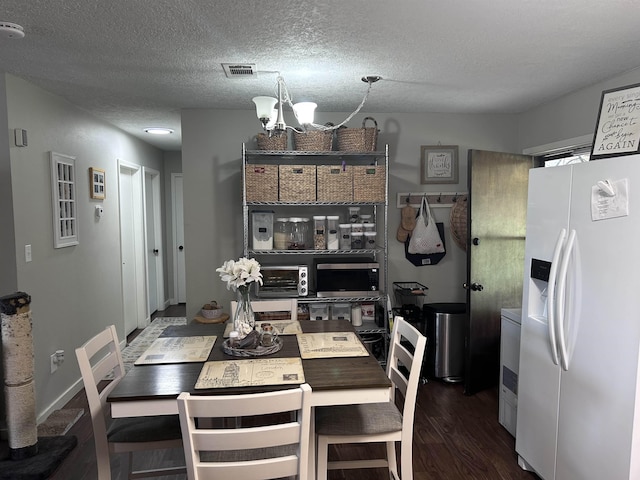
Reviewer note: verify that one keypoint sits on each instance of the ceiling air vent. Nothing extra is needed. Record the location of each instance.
(236, 70)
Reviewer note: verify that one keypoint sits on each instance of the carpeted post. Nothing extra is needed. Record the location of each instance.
(19, 386)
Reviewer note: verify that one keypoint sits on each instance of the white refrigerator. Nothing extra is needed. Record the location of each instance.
(578, 391)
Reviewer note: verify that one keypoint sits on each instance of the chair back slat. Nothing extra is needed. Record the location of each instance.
(239, 438)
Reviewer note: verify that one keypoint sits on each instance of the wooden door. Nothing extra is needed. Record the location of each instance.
(497, 222)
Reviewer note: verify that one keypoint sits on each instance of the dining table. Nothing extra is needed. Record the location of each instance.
(152, 389)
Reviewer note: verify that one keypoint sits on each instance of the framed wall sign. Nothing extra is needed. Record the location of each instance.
(97, 184)
(618, 126)
(438, 164)
(63, 189)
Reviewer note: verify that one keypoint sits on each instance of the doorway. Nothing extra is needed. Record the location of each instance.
(154, 251)
(134, 293)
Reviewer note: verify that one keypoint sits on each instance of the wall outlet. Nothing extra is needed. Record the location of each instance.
(54, 362)
(57, 359)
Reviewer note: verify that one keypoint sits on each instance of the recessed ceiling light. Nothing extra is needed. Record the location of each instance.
(158, 130)
(11, 30)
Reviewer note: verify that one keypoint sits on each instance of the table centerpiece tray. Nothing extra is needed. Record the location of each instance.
(258, 351)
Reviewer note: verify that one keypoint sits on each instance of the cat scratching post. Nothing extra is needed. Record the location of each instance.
(19, 387)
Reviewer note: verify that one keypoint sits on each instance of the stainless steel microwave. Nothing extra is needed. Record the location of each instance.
(283, 281)
(346, 277)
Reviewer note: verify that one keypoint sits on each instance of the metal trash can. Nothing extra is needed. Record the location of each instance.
(445, 329)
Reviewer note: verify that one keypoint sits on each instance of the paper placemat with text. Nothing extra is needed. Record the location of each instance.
(250, 373)
(178, 350)
(330, 345)
(283, 327)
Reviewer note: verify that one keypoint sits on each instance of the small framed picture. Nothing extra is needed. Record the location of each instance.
(97, 183)
(438, 164)
(618, 125)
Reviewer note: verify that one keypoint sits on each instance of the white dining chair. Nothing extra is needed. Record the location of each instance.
(100, 360)
(266, 306)
(258, 450)
(378, 422)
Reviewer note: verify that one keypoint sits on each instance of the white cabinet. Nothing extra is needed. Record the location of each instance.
(509, 368)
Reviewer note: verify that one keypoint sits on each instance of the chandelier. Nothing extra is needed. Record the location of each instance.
(272, 118)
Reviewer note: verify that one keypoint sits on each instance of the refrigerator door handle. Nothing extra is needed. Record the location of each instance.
(560, 304)
(551, 295)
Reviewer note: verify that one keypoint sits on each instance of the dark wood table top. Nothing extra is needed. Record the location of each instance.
(157, 382)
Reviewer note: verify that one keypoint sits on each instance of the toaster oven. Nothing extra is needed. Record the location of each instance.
(283, 281)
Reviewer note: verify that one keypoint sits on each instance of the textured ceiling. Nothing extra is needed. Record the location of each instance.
(138, 63)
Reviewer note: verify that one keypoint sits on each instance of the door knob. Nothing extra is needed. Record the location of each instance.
(180, 248)
(155, 251)
(476, 287)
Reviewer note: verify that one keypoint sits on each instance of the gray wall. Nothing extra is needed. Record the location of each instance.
(211, 161)
(76, 291)
(571, 116)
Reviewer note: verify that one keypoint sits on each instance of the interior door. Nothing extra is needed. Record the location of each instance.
(153, 247)
(132, 251)
(497, 223)
(180, 287)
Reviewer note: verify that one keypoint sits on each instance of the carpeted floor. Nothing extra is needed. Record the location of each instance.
(144, 340)
(59, 422)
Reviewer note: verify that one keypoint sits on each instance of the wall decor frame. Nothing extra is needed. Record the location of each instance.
(65, 207)
(618, 124)
(438, 164)
(97, 183)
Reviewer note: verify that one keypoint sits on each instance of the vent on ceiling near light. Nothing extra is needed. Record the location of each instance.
(235, 70)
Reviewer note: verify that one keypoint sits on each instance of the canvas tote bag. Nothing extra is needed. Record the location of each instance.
(425, 237)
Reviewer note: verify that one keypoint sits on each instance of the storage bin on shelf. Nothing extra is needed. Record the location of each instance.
(335, 183)
(261, 183)
(369, 183)
(297, 183)
(277, 142)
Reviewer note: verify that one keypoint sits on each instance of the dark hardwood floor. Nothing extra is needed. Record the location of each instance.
(455, 437)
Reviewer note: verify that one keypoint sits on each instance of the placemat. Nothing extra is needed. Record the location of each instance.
(330, 345)
(178, 350)
(251, 372)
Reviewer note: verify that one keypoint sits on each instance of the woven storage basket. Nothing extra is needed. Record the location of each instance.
(363, 139)
(458, 222)
(297, 183)
(275, 142)
(335, 183)
(261, 183)
(369, 183)
(313, 141)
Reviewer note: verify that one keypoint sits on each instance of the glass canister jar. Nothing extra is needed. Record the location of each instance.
(298, 233)
(319, 232)
(280, 233)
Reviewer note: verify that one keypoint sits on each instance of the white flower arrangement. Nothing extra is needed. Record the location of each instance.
(240, 273)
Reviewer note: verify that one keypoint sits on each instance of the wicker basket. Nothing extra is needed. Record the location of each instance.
(369, 183)
(276, 142)
(458, 222)
(297, 183)
(261, 183)
(358, 139)
(313, 141)
(335, 183)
